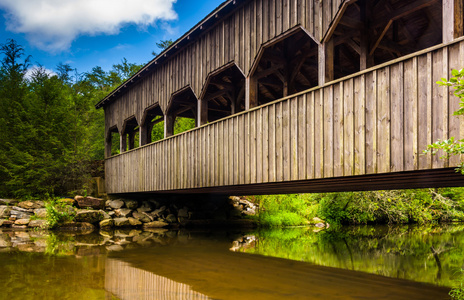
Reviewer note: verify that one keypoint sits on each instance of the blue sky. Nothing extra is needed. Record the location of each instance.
(88, 33)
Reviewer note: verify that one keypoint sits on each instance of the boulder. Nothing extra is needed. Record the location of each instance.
(18, 214)
(120, 222)
(158, 212)
(7, 223)
(115, 248)
(8, 202)
(142, 217)
(4, 211)
(146, 207)
(31, 204)
(183, 212)
(38, 224)
(171, 218)
(1, 222)
(90, 202)
(123, 212)
(107, 223)
(41, 213)
(89, 216)
(77, 226)
(105, 215)
(131, 204)
(22, 222)
(116, 204)
(68, 201)
(134, 222)
(25, 210)
(155, 224)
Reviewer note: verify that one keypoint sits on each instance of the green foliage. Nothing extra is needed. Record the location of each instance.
(285, 210)
(58, 213)
(163, 44)
(457, 292)
(381, 207)
(394, 206)
(51, 131)
(183, 124)
(451, 146)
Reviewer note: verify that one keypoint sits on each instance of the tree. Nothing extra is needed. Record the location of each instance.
(163, 44)
(452, 146)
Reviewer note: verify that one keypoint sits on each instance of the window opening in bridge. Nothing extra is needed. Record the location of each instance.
(374, 32)
(152, 128)
(112, 142)
(223, 94)
(181, 114)
(130, 136)
(286, 66)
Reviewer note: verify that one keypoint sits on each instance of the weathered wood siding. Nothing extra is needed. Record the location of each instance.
(376, 121)
(236, 37)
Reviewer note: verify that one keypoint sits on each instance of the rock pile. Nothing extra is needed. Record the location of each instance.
(92, 212)
(18, 214)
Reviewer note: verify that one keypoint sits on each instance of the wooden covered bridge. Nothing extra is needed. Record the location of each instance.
(292, 96)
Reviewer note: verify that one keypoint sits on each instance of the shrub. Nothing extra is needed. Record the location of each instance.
(58, 213)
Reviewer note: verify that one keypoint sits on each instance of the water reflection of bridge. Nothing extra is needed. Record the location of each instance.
(204, 270)
(127, 282)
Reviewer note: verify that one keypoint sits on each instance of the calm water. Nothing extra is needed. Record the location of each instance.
(295, 263)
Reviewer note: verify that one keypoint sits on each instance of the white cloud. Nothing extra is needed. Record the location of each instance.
(52, 25)
(34, 69)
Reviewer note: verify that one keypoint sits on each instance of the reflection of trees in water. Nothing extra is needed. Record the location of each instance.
(430, 253)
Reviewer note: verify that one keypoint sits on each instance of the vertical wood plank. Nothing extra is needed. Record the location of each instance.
(383, 119)
(272, 143)
(293, 139)
(259, 162)
(439, 104)
(360, 125)
(338, 130)
(310, 135)
(265, 137)
(328, 132)
(302, 116)
(348, 135)
(319, 134)
(397, 118)
(253, 145)
(286, 140)
(278, 142)
(410, 115)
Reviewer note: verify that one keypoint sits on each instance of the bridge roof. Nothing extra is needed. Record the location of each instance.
(209, 21)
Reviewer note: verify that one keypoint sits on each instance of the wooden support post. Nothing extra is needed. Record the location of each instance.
(169, 125)
(366, 60)
(326, 62)
(202, 115)
(453, 13)
(131, 139)
(108, 144)
(251, 92)
(122, 142)
(143, 134)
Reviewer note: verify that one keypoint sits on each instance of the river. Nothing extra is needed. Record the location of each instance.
(362, 262)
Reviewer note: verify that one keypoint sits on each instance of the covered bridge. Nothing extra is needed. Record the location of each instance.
(292, 96)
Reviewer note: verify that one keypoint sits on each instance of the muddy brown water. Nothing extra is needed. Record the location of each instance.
(368, 262)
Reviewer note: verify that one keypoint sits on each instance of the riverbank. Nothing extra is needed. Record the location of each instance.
(88, 213)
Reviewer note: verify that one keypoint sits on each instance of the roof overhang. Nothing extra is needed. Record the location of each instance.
(208, 22)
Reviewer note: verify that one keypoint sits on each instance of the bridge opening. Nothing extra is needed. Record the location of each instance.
(286, 65)
(152, 128)
(373, 32)
(130, 135)
(112, 146)
(181, 114)
(223, 94)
